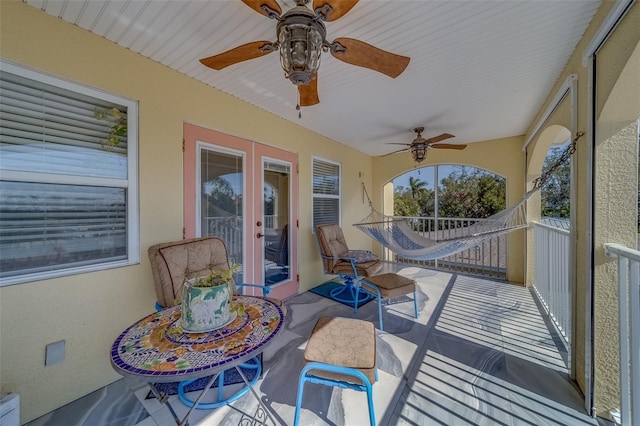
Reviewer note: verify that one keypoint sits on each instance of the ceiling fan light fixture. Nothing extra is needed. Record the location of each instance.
(301, 37)
(418, 152)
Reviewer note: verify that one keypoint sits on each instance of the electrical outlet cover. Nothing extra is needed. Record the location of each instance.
(54, 353)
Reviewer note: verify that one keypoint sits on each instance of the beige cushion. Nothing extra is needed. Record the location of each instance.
(343, 342)
(173, 263)
(333, 244)
(391, 285)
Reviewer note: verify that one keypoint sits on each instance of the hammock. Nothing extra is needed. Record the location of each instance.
(397, 234)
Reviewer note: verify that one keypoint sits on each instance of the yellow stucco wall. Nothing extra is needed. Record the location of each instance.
(478, 154)
(90, 310)
(616, 189)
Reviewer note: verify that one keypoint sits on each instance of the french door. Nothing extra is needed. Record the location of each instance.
(243, 192)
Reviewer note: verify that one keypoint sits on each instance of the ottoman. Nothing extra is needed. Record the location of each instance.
(340, 352)
(389, 286)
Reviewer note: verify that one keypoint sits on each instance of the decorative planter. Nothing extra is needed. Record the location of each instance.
(204, 308)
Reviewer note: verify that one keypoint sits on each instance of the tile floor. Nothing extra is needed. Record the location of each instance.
(480, 353)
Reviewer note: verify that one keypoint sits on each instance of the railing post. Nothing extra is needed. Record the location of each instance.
(551, 283)
(629, 321)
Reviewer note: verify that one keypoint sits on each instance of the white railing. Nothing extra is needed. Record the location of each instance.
(551, 276)
(270, 222)
(489, 258)
(229, 230)
(629, 293)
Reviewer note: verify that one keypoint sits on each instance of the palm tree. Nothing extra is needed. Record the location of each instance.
(416, 185)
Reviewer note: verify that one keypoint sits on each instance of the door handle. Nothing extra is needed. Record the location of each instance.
(259, 235)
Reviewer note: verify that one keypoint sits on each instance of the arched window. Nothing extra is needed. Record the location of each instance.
(461, 192)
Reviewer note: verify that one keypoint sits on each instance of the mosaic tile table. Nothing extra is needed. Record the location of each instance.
(157, 350)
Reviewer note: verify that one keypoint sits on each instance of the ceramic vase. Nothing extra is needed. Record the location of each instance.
(204, 308)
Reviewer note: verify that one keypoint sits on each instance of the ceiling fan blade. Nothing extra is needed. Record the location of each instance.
(395, 152)
(398, 143)
(340, 7)
(238, 54)
(309, 93)
(356, 52)
(448, 146)
(257, 6)
(439, 138)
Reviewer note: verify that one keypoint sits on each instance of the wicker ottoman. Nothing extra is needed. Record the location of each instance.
(389, 286)
(340, 352)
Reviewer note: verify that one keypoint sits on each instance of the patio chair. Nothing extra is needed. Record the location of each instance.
(175, 262)
(349, 265)
(278, 251)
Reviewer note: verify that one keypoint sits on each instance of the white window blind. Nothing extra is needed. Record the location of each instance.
(326, 192)
(66, 202)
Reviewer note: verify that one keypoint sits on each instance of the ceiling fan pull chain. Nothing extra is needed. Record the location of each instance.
(298, 107)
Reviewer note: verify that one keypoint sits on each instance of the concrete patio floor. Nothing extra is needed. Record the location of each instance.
(480, 353)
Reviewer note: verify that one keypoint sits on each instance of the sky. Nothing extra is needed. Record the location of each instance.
(425, 174)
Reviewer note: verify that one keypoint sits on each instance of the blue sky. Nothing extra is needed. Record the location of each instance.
(425, 174)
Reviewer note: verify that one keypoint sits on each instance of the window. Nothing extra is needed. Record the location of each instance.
(326, 192)
(68, 170)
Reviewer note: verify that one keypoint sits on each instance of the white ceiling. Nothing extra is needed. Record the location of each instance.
(479, 69)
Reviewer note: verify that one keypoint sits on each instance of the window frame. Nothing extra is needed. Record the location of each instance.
(315, 196)
(129, 184)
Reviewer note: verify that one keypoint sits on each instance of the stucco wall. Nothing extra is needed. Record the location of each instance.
(90, 310)
(478, 154)
(616, 191)
(613, 175)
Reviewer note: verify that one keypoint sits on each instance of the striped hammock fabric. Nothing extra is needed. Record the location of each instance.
(397, 235)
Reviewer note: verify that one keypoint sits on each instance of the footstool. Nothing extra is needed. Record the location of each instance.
(389, 286)
(340, 352)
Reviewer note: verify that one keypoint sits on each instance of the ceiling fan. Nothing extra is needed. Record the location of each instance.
(301, 38)
(419, 146)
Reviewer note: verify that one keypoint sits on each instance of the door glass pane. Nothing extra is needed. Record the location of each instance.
(221, 206)
(276, 210)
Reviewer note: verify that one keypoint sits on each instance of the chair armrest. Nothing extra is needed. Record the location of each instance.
(265, 290)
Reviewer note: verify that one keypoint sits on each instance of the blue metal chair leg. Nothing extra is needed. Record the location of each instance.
(253, 363)
(306, 376)
(349, 293)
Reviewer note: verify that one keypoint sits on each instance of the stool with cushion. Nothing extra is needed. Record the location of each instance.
(389, 286)
(340, 352)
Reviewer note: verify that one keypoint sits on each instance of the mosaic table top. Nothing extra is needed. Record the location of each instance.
(157, 350)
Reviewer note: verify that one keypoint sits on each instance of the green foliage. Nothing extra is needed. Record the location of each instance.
(471, 193)
(466, 192)
(555, 192)
(221, 197)
(217, 277)
(405, 206)
(415, 186)
(117, 121)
